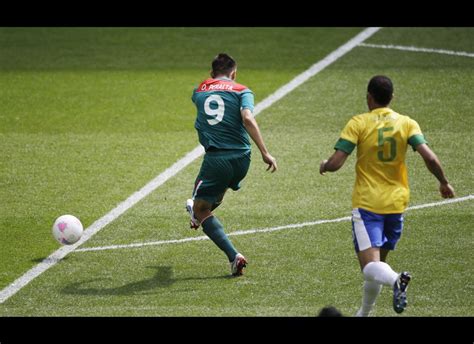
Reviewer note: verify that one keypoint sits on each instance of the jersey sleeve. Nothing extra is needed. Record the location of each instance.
(193, 97)
(415, 136)
(247, 100)
(349, 137)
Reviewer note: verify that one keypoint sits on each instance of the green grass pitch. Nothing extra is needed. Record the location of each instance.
(90, 115)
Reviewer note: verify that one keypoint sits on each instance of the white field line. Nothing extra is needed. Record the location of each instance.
(59, 254)
(264, 230)
(417, 49)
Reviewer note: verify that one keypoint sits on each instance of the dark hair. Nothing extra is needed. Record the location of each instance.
(330, 311)
(381, 89)
(222, 64)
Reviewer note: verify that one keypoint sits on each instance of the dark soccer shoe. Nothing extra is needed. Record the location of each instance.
(400, 292)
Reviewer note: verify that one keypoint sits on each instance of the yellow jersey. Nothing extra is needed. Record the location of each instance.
(382, 137)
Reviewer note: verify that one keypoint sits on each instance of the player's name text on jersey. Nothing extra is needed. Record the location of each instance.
(382, 118)
(219, 86)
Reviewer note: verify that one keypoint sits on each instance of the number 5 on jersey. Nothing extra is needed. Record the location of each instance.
(391, 142)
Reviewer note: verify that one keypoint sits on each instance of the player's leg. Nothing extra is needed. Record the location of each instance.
(393, 227)
(218, 201)
(369, 255)
(393, 231)
(194, 222)
(369, 237)
(384, 254)
(367, 229)
(371, 291)
(240, 166)
(213, 228)
(212, 176)
(380, 272)
(213, 180)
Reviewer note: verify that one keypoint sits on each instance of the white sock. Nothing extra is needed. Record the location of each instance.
(371, 291)
(380, 272)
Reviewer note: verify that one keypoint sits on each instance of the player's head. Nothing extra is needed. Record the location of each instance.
(379, 91)
(224, 65)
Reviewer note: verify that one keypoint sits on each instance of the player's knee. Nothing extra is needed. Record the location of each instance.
(201, 209)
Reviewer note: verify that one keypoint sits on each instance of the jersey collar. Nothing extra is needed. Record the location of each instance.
(382, 111)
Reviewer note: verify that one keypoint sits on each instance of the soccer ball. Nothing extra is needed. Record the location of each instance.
(67, 229)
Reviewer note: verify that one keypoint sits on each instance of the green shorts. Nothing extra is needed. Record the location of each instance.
(220, 170)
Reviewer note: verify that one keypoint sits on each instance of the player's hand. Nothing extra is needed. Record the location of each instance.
(271, 161)
(322, 171)
(446, 190)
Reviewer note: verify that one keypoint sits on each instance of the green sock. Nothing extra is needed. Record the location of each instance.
(215, 231)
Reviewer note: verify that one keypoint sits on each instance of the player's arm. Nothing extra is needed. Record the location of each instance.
(344, 147)
(434, 166)
(252, 128)
(335, 162)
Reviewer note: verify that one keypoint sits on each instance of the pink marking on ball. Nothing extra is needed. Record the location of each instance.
(62, 226)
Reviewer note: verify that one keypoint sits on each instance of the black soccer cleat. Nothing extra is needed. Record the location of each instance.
(400, 292)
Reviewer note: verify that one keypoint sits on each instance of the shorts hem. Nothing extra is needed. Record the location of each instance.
(209, 199)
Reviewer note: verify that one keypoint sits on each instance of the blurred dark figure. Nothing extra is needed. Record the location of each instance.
(330, 311)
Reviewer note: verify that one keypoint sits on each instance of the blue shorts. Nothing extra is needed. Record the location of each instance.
(375, 230)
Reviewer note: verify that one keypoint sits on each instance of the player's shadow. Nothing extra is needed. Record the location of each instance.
(161, 279)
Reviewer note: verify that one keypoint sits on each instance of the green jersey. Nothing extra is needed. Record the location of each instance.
(219, 121)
